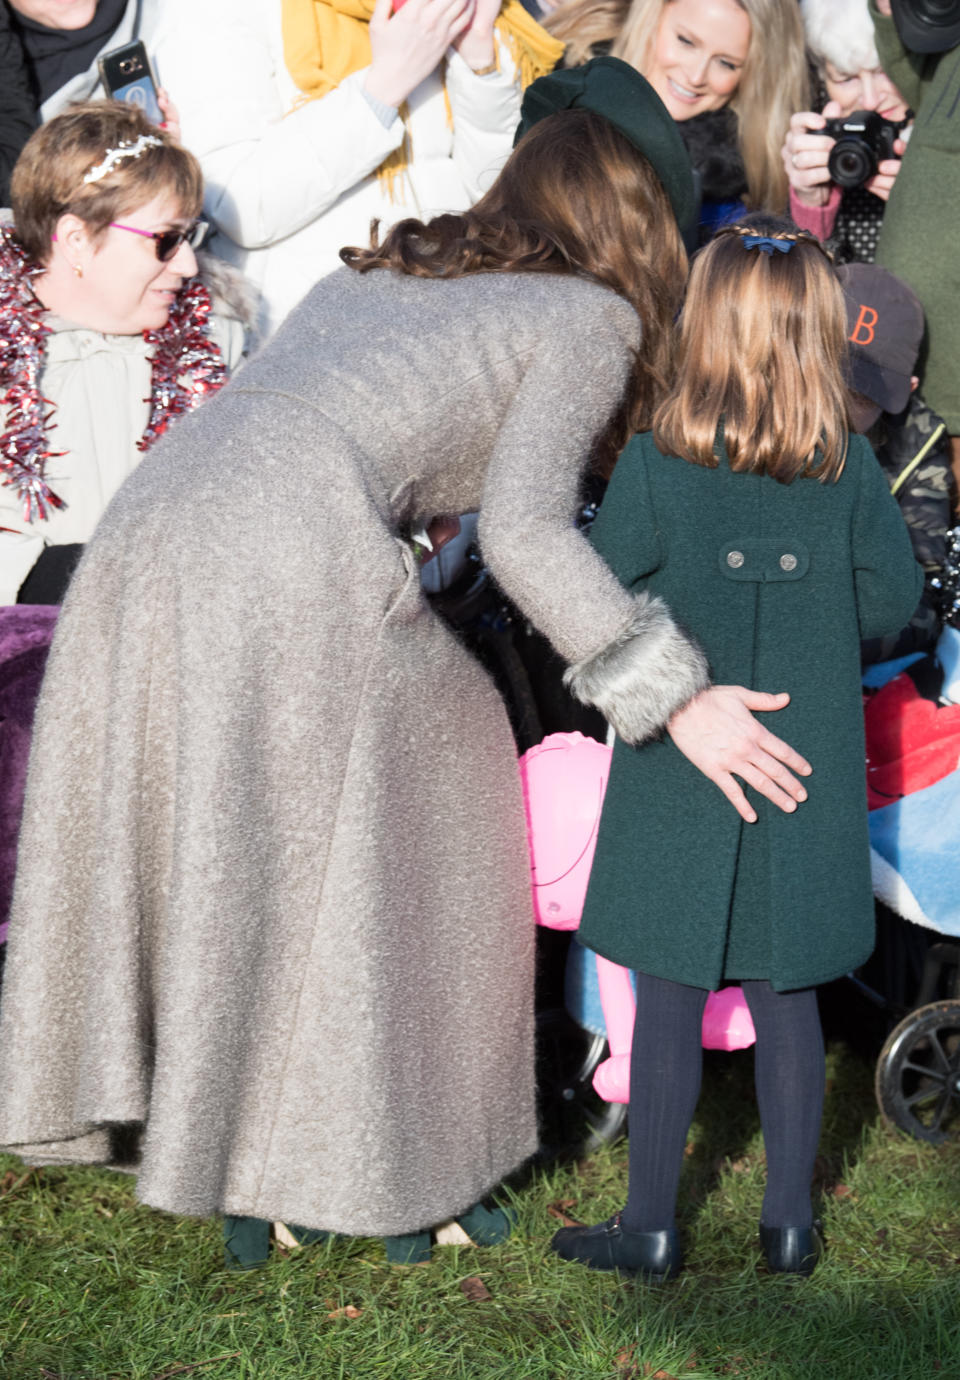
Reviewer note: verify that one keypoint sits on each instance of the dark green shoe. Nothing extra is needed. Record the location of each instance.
(412, 1249)
(246, 1242)
(487, 1226)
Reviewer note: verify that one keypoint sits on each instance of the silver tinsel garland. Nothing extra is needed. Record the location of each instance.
(23, 445)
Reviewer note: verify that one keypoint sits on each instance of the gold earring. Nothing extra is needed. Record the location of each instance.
(78, 270)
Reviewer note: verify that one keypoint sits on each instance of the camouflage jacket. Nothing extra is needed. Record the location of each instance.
(914, 452)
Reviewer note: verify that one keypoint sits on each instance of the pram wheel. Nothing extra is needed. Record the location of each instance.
(918, 1073)
(574, 1119)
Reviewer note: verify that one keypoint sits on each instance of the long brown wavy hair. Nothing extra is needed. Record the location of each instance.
(775, 80)
(575, 197)
(763, 342)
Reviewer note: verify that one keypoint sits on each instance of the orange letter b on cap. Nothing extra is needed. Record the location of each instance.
(865, 324)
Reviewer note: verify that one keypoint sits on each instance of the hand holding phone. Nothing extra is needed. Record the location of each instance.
(127, 76)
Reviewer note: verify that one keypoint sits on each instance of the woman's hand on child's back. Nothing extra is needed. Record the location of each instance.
(720, 736)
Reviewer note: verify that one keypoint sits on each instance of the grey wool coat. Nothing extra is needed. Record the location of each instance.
(779, 583)
(273, 903)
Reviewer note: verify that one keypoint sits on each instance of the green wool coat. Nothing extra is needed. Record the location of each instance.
(778, 583)
(918, 238)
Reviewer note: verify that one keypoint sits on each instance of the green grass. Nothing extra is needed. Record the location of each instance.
(95, 1286)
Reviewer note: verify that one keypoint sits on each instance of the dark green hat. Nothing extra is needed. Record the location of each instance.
(615, 90)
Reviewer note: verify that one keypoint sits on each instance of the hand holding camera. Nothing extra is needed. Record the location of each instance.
(862, 141)
(830, 149)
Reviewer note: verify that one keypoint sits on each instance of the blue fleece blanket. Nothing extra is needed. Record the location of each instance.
(916, 843)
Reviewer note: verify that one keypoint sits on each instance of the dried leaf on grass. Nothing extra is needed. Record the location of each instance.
(843, 1191)
(474, 1290)
(349, 1310)
(557, 1210)
(10, 1183)
(628, 1368)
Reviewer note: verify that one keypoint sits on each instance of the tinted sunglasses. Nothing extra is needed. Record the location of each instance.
(167, 242)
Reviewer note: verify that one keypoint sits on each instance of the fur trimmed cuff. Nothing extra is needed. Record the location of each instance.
(644, 676)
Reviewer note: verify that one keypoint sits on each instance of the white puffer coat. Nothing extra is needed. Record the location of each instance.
(288, 185)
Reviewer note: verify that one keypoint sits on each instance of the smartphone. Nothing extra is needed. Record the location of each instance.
(127, 76)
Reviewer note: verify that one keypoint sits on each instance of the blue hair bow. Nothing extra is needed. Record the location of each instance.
(767, 245)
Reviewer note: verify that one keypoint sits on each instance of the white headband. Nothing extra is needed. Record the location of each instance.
(125, 149)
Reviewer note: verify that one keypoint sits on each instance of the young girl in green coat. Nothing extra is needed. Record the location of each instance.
(771, 534)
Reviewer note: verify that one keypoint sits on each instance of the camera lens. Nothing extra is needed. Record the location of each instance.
(851, 162)
(928, 26)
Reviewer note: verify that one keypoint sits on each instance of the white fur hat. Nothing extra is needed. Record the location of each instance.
(840, 32)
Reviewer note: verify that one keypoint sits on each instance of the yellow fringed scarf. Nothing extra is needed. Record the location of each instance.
(325, 40)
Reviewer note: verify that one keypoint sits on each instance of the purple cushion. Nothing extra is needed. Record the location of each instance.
(25, 634)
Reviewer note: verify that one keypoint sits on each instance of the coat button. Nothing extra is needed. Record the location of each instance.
(735, 559)
(788, 562)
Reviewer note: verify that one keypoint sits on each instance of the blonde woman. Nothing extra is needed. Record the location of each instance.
(730, 72)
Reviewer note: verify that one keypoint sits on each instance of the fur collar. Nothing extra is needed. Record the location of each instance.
(712, 143)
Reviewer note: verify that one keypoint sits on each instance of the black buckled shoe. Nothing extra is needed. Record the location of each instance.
(791, 1250)
(654, 1254)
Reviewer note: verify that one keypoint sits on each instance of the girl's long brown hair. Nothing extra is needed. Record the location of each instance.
(762, 352)
(575, 197)
(774, 84)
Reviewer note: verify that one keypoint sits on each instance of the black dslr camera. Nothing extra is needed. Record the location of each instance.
(863, 140)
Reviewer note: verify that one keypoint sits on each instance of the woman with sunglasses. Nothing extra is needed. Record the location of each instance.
(106, 334)
(99, 300)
